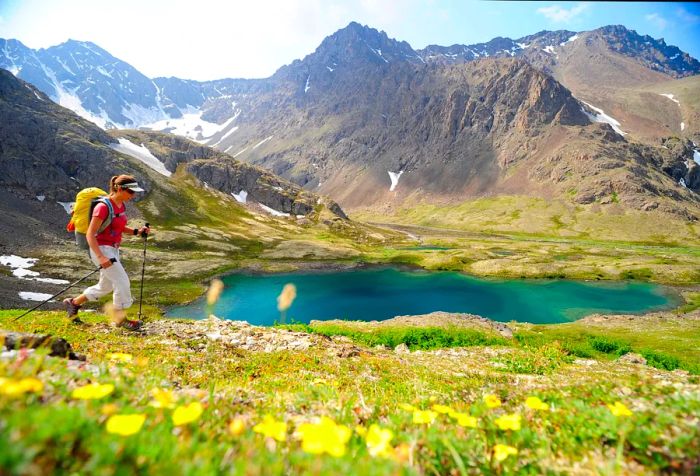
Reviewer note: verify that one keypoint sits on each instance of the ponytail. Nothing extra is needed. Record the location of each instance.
(117, 180)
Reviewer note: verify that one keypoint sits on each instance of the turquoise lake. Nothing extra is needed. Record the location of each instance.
(377, 294)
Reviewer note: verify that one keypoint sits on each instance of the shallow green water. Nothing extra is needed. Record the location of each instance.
(376, 294)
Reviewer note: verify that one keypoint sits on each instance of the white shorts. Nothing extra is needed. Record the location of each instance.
(113, 278)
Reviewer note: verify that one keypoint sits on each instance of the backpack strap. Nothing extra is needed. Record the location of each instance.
(110, 216)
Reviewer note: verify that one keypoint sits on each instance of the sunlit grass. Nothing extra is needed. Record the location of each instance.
(143, 404)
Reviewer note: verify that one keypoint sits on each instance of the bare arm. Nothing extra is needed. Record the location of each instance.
(92, 230)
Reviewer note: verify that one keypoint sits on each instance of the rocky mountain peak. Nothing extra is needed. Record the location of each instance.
(354, 46)
(546, 38)
(655, 54)
(358, 42)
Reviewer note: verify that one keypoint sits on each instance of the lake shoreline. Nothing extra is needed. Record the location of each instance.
(672, 295)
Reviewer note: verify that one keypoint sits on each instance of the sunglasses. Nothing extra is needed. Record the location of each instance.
(131, 192)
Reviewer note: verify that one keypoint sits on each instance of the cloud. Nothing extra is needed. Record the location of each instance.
(686, 16)
(660, 22)
(558, 14)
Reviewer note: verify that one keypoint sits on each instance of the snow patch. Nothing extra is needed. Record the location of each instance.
(136, 114)
(240, 197)
(41, 198)
(34, 91)
(602, 117)
(239, 152)
(67, 206)
(261, 142)
(20, 269)
(681, 182)
(68, 99)
(377, 52)
(573, 38)
(17, 262)
(682, 126)
(307, 87)
(273, 212)
(329, 69)
(231, 131)
(125, 146)
(104, 72)
(30, 296)
(190, 125)
(549, 49)
(696, 156)
(65, 66)
(394, 179)
(670, 96)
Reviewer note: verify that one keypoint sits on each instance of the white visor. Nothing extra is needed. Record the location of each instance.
(132, 186)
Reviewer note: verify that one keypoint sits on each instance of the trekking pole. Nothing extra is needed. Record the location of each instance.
(113, 260)
(143, 268)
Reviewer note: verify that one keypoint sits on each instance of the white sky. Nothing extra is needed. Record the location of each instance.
(201, 39)
(210, 39)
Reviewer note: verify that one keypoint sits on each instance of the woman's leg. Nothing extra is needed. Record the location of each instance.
(114, 279)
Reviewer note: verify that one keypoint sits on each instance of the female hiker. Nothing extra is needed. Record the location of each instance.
(104, 252)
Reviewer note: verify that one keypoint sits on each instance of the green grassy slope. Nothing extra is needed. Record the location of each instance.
(431, 406)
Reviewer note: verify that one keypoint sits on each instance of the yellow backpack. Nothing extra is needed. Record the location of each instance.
(85, 202)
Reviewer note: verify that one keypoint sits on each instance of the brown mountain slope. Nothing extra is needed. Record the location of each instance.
(480, 128)
(617, 83)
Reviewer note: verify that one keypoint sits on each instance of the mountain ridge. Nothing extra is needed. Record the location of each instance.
(163, 98)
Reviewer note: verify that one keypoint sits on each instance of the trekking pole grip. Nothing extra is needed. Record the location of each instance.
(144, 234)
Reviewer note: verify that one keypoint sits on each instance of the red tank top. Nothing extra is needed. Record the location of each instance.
(112, 235)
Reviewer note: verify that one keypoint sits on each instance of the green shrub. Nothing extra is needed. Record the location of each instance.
(660, 360)
(609, 346)
(641, 274)
(579, 349)
(414, 338)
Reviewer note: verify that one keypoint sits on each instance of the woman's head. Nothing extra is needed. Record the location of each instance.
(125, 185)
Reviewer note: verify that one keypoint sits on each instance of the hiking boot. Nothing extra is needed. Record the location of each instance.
(130, 325)
(72, 310)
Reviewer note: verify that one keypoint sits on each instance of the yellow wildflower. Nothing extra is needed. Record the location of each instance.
(214, 291)
(13, 387)
(286, 298)
(93, 391)
(120, 357)
(407, 406)
(444, 409)
(125, 425)
(508, 422)
(536, 404)
(501, 452)
(236, 427)
(492, 401)
(162, 398)
(464, 419)
(109, 409)
(360, 430)
(272, 428)
(619, 410)
(424, 416)
(324, 437)
(141, 361)
(185, 414)
(379, 440)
